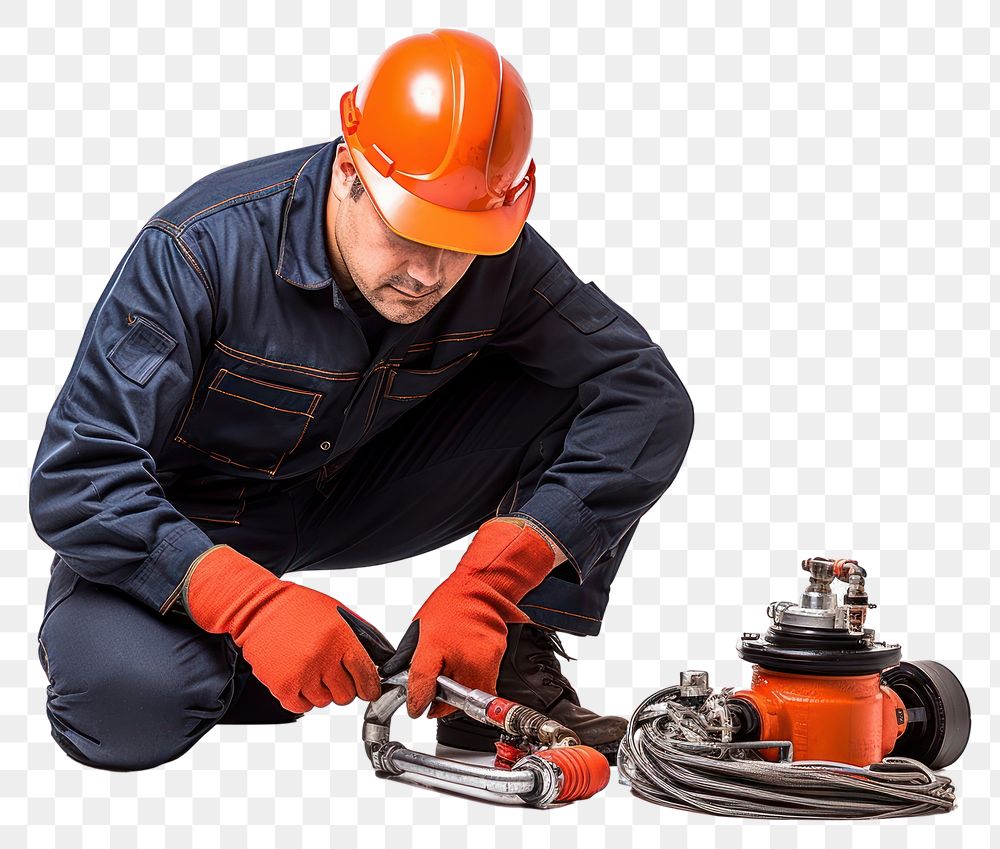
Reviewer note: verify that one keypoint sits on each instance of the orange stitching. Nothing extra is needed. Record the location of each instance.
(531, 520)
(372, 406)
(374, 396)
(284, 219)
(513, 501)
(463, 336)
(220, 521)
(195, 266)
(446, 366)
(258, 403)
(174, 595)
(310, 415)
(223, 458)
(169, 224)
(409, 397)
(534, 288)
(307, 370)
(265, 383)
(234, 197)
(243, 504)
(548, 271)
(459, 334)
(458, 362)
(564, 612)
(305, 427)
(174, 235)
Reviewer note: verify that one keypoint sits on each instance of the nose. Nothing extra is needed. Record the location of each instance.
(426, 268)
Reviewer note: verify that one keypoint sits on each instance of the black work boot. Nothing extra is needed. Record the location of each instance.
(530, 675)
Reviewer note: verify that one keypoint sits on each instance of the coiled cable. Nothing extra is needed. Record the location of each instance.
(680, 753)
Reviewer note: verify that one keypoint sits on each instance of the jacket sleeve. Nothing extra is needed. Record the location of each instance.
(94, 496)
(626, 444)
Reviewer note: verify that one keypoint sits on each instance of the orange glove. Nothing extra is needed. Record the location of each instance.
(461, 631)
(300, 643)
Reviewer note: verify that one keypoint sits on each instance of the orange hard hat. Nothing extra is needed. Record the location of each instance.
(439, 133)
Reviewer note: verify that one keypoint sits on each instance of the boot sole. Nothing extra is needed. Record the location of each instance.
(473, 736)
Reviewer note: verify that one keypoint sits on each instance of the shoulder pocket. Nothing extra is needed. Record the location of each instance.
(584, 306)
(141, 351)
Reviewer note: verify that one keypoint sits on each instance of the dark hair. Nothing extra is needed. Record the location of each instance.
(356, 189)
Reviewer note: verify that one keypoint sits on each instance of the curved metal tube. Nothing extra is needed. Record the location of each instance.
(535, 782)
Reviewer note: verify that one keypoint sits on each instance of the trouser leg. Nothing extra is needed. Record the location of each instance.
(128, 688)
(474, 449)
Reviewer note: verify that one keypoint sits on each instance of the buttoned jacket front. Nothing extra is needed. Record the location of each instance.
(222, 352)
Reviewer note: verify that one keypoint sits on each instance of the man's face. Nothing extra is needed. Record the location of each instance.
(401, 278)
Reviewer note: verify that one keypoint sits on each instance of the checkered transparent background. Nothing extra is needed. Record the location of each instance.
(795, 201)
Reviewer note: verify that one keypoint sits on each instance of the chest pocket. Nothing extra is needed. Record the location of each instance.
(247, 420)
(429, 365)
(411, 384)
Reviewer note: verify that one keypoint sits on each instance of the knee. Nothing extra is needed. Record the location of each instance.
(121, 717)
(118, 702)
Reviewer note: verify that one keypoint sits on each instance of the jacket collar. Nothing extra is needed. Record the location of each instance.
(302, 257)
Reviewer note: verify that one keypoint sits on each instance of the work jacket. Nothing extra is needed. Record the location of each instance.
(222, 350)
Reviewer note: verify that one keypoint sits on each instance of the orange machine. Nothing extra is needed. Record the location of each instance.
(822, 681)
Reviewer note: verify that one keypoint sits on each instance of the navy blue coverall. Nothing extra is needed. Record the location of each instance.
(224, 392)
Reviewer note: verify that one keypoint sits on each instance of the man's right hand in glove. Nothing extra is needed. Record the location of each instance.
(297, 640)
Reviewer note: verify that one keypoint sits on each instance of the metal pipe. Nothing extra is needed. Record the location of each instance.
(564, 771)
(506, 782)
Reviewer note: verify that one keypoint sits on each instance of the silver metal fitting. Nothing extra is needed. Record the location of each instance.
(694, 684)
(548, 781)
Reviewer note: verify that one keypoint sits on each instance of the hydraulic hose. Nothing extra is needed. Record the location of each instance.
(680, 752)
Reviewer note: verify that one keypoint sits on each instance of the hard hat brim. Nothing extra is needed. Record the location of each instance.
(487, 232)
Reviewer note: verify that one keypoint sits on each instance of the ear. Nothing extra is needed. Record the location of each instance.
(343, 172)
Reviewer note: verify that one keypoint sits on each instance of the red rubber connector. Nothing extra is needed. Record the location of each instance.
(585, 771)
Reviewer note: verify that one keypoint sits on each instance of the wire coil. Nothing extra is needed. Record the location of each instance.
(681, 755)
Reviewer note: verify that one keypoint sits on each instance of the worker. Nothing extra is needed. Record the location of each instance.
(334, 357)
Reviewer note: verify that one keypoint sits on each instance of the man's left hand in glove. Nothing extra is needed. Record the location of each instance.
(461, 630)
